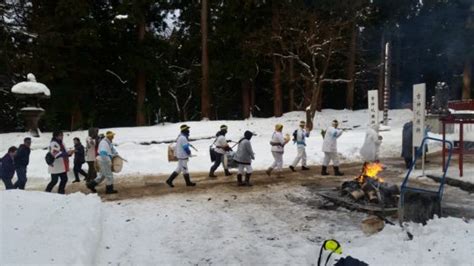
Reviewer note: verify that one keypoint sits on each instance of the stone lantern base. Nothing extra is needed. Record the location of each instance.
(32, 116)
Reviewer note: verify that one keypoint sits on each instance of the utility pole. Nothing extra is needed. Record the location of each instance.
(386, 91)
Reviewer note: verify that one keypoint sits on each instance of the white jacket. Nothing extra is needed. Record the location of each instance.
(91, 152)
(182, 151)
(278, 142)
(61, 162)
(301, 136)
(330, 139)
(220, 143)
(370, 148)
(106, 150)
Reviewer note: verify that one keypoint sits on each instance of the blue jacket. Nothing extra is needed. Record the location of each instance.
(7, 168)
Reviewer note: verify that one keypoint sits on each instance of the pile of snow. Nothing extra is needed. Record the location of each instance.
(152, 159)
(249, 228)
(31, 87)
(444, 241)
(45, 228)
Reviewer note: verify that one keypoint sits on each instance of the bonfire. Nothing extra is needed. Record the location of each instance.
(369, 188)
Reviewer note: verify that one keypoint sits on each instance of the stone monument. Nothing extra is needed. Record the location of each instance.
(32, 92)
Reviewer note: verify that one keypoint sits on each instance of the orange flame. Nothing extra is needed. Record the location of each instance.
(371, 170)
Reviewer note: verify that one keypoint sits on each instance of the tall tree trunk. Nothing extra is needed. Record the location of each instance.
(252, 98)
(246, 98)
(351, 68)
(319, 97)
(76, 117)
(141, 80)
(291, 88)
(205, 92)
(467, 79)
(308, 88)
(381, 70)
(316, 95)
(277, 93)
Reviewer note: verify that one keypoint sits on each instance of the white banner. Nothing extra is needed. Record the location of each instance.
(373, 99)
(419, 102)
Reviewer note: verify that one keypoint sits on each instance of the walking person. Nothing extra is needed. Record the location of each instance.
(60, 166)
(22, 159)
(79, 160)
(371, 146)
(299, 137)
(331, 135)
(7, 167)
(243, 157)
(92, 144)
(106, 153)
(278, 143)
(182, 151)
(222, 147)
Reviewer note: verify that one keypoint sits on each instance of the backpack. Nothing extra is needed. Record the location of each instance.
(49, 158)
(295, 135)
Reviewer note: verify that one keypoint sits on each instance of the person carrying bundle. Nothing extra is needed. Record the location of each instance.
(222, 147)
(104, 160)
(244, 157)
(182, 152)
(299, 137)
(278, 143)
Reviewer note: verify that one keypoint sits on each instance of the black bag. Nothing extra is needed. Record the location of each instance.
(350, 261)
(295, 135)
(49, 158)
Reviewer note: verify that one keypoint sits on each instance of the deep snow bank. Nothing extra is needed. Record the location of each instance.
(46, 228)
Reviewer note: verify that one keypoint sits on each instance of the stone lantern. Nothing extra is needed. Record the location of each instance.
(32, 92)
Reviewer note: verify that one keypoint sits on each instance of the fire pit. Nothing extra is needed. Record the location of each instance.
(367, 192)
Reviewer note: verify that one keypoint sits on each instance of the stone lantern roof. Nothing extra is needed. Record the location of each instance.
(31, 88)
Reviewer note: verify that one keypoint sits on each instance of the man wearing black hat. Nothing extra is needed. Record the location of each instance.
(182, 151)
(222, 147)
(244, 157)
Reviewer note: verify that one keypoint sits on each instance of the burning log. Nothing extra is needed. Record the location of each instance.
(372, 194)
(357, 194)
(370, 188)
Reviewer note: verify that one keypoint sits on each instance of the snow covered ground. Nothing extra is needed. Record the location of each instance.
(267, 224)
(260, 227)
(152, 159)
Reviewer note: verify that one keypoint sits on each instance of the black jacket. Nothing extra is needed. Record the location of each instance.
(79, 154)
(22, 157)
(7, 168)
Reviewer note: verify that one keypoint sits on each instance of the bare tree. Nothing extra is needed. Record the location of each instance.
(314, 45)
(181, 91)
